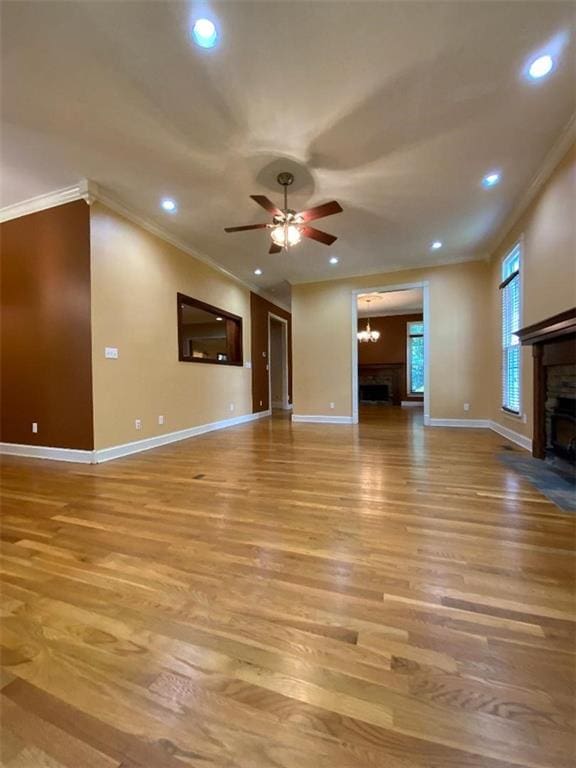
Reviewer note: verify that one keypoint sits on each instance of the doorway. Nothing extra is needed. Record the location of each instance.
(278, 390)
(390, 331)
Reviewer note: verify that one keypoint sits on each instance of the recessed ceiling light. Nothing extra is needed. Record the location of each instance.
(333, 259)
(436, 245)
(491, 179)
(204, 33)
(258, 271)
(168, 205)
(219, 318)
(541, 67)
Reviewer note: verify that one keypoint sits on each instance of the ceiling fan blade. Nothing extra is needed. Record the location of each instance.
(275, 248)
(243, 229)
(327, 209)
(317, 234)
(268, 205)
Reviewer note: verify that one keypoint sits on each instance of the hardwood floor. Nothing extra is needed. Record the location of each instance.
(288, 596)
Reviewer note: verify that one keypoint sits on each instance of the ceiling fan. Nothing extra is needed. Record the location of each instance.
(289, 226)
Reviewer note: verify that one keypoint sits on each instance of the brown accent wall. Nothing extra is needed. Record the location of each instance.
(259, 310)
(45, 360)
(391, 347)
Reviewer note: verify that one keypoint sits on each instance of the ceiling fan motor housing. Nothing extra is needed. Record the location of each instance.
(285, 178)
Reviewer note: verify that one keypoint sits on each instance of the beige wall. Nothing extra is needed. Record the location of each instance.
(135, 278)
(458, 346)
(547, 231)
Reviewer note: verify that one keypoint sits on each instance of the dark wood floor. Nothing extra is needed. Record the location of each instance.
(288, 596)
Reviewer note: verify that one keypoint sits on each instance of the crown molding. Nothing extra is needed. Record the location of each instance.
(110, 201)
(91, 192)
(560, 147)
(80, 191)
(384, 270)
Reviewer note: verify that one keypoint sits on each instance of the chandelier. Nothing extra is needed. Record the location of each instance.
(368, 334)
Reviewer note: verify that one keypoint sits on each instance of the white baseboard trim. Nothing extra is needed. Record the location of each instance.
(470, 423)
(44, 452)
(412, 403)
(322, 419)
(514, 437)
(509, 434)
(117, 451)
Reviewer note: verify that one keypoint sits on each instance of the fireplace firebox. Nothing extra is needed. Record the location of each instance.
(379, 383)
(562, 430)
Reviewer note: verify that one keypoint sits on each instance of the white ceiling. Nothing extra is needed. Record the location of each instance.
(395, 109)
(390, 303)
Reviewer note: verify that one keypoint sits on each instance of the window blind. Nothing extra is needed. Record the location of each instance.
(510, 290)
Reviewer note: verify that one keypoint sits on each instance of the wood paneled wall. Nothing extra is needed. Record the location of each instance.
(259, 310)
(391, 347)
(45, 338)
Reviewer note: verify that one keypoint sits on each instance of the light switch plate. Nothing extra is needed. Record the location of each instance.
(111, 353)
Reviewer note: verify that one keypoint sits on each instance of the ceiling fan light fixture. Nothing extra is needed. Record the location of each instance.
(288, 227)
(286, 235)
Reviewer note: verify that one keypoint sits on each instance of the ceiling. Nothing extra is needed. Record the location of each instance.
(395, 109)
(390, 303)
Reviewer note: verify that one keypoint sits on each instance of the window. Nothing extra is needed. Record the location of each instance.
(415, 370)
(510, 291)
(207, 334)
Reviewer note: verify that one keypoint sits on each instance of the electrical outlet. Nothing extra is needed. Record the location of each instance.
(466, 407)
(35, 427)
(248, 364)
(138, 424)
(111, 353)
(525, 418)
(332, 405)
(261, 403)
(160, 419)
(232, 406)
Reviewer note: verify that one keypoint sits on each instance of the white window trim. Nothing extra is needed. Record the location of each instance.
(504, 411)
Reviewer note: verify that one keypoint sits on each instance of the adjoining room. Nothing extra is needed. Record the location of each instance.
(391, 353)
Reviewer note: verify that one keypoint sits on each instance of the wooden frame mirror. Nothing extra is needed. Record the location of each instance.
(208, 334)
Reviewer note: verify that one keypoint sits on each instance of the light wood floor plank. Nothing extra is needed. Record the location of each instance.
(288, 596)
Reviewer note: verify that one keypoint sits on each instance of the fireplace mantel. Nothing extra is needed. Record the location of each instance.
(553, 342)
(552, 328)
